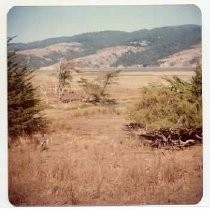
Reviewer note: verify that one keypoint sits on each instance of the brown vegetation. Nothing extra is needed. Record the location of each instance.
(89, 159)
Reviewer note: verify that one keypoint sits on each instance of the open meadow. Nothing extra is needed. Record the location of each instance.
(90, 159)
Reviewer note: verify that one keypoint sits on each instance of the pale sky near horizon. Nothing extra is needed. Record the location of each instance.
(38, 23)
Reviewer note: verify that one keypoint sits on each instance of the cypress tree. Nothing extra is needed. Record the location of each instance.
(24, 110)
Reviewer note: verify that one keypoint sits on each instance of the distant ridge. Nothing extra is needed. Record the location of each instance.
(139, 48)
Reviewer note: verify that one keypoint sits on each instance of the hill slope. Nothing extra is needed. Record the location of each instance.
(189, 57)
(143, 47)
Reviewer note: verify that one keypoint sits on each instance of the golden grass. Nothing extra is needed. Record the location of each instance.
(127, 86)
(90, 160)
(159, 177)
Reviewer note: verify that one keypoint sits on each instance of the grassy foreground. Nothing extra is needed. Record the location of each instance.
(90, 160)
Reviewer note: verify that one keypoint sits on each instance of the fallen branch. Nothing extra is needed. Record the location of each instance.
(187, 143)
(164, 137)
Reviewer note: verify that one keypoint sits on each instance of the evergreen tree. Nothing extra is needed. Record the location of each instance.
(24, 111)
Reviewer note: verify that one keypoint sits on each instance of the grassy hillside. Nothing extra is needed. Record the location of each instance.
(159, 43)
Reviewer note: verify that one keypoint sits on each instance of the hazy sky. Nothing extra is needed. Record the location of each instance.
(37, 23)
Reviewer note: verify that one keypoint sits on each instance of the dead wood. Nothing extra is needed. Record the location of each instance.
(167, 137)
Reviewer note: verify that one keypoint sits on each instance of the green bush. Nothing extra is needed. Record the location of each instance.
(97, 89)
(177, 105)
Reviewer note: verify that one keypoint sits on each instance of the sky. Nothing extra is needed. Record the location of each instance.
(38, 23)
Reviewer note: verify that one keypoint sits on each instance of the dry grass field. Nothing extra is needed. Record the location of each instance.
(90, 160)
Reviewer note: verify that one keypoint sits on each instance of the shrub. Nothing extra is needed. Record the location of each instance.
(97, 89)
(177, 105)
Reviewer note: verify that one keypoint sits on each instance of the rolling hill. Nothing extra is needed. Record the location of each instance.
(189, 57)
(115, 48)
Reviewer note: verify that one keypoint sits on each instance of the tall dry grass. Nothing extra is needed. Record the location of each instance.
(158, 178)
(90, 161)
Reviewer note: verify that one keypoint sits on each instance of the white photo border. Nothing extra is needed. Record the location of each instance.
(5, 6)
